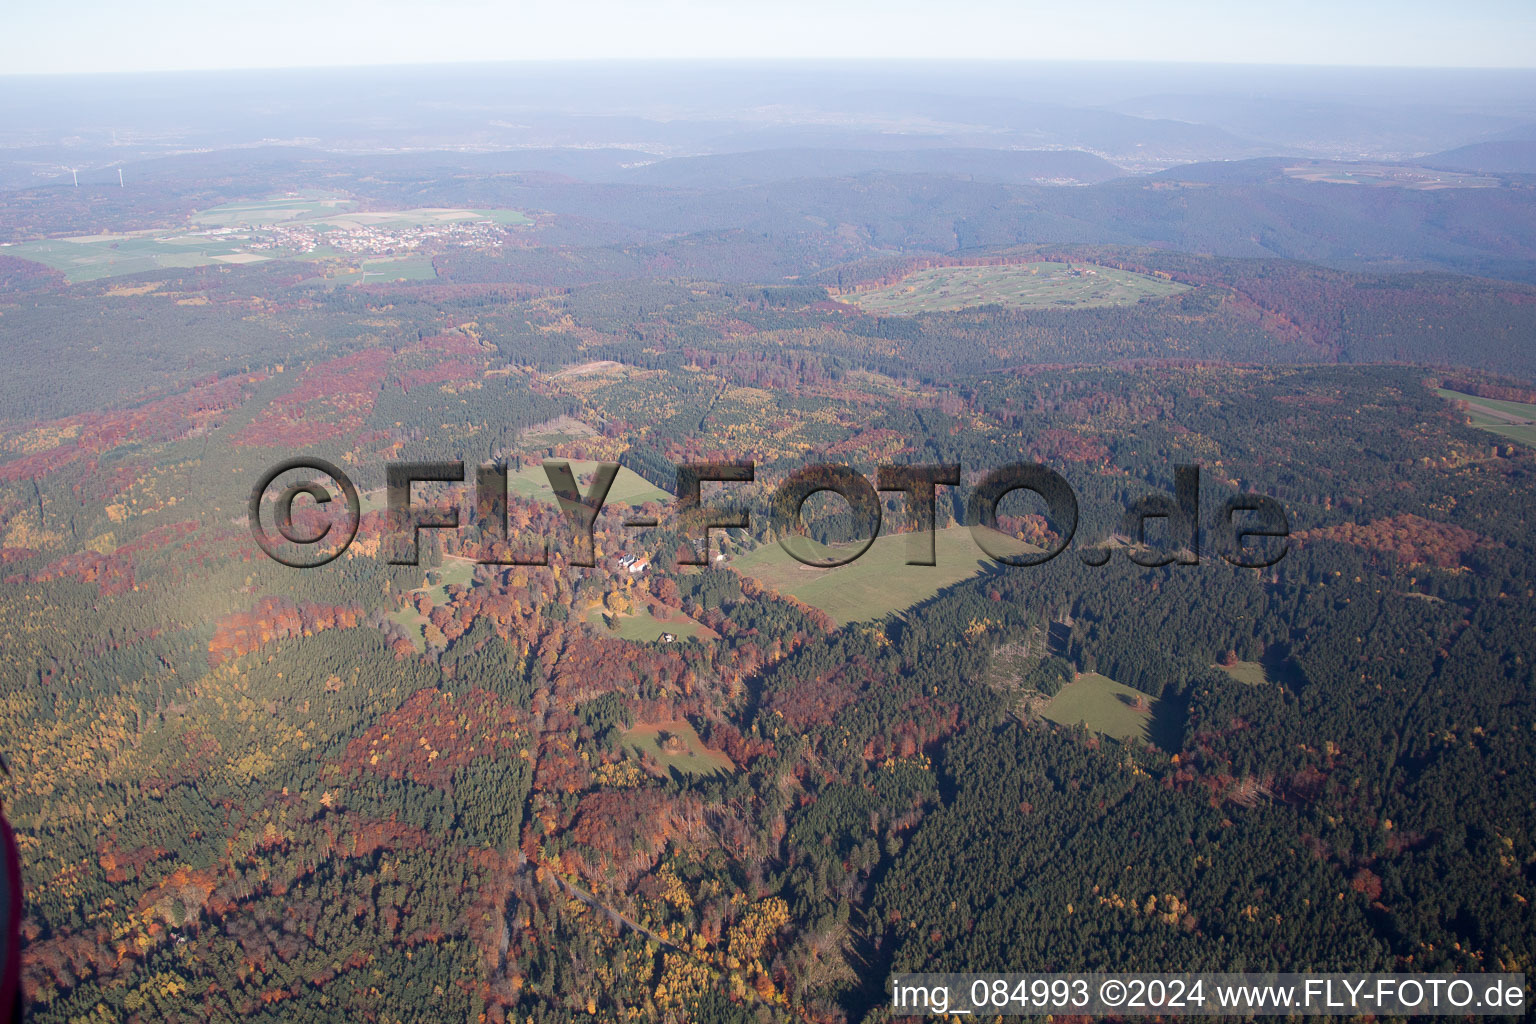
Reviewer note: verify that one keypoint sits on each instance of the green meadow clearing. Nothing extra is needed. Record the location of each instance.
(879, 581)
(694, 759)
(1016, 286)
(1106, 707)
(398, 268)
(629, 487)
(1249, 673)
(531, 482)
(646, 627)
(453, 569)
(1271, 668)
(1514, 420)
(414, 624)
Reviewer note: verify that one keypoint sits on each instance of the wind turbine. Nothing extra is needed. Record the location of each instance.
(120, 178)
(76, 173)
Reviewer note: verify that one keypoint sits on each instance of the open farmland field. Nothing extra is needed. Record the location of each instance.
(333, 213)
(878, 582)
(1017, 286)
(423, 217)
(1514, 420)
(1332, 172)
(267, 212)
(252, 231)
(97, 256)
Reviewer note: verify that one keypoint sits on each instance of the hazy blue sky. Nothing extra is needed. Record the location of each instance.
(97, 35)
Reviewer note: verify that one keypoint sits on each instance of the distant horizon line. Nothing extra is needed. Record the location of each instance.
(748, 62)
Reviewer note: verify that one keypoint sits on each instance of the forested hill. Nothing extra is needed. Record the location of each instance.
(836, 203)
(509, 784)
(1011, 166)
(1514, 156)
(248, 792)
(175, 327)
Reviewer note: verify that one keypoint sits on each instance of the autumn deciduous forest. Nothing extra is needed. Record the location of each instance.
(721, 786)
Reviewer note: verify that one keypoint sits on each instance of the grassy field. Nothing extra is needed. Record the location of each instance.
(372, 500)
(399, 268)
(1514, 420)
(412, 622)
(1249, 673)
(694, 759)
(878, 582)
(1018, 286)
(1271, 669)
(509, 218)
(629, 488)
(1104, 706)
(646, 627)
(453, 570)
